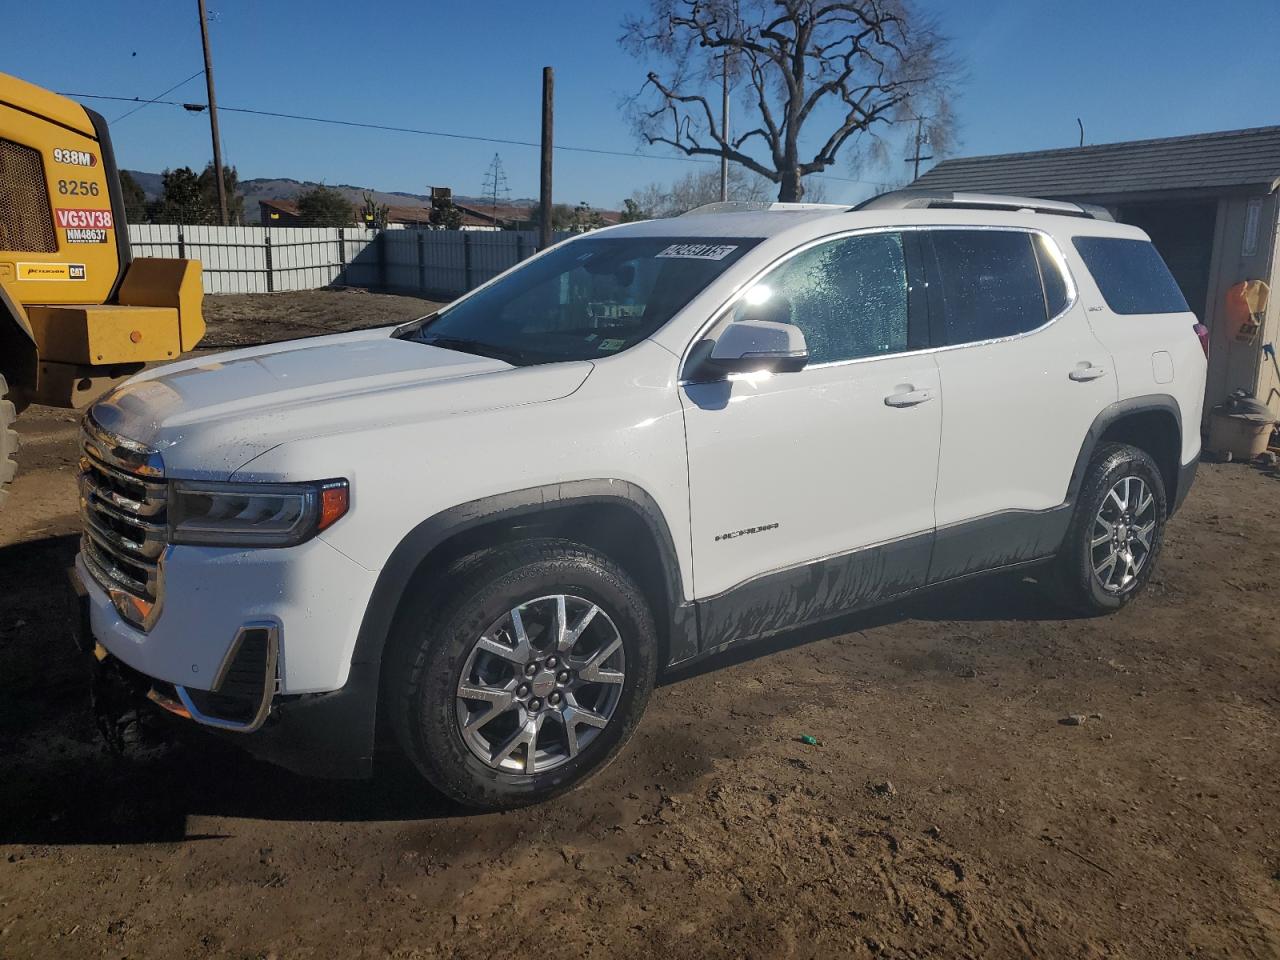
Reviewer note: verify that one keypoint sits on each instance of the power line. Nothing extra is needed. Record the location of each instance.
(156, 98)
(364, 125)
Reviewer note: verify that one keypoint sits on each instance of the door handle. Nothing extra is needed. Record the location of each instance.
(1087, 371)
(908, 398)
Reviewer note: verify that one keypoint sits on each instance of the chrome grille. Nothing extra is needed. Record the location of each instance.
(122, 507)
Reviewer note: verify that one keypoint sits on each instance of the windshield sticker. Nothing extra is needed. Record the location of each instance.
(699, 251)
(610, 345)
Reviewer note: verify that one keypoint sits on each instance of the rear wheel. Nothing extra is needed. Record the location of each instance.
(8, 439)
(1116, 532)
(527, 678)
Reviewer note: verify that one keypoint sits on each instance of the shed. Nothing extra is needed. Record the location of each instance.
(1208, 202)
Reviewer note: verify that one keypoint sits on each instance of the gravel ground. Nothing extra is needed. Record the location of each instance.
(945, 810)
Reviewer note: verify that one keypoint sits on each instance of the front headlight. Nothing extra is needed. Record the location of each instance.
(253, 514)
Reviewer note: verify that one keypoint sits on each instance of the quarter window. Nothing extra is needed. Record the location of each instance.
(990, 284)
(1131, 275)
(848, 297)
(1056, 293)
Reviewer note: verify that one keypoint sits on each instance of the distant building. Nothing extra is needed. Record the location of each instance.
(279, 213)
(475, 216)
(285, 213)
(1209, 203)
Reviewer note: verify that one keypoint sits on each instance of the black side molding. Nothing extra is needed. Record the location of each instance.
(810, 592)
(1186, 477)
(1008, 538)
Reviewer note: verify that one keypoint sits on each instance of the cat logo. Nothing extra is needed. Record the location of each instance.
(51, 271)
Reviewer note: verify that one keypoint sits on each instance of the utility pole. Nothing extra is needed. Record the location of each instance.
(544, 190)
(213, 115)
(921, 140)
(724, 127)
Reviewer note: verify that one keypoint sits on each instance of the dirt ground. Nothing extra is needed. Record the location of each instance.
(244, 319)
(945, 811)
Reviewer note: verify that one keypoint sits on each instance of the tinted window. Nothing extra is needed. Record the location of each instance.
(1131, 275)
(584, 299)
(849, 297)
(990, 282)
(1056, 295)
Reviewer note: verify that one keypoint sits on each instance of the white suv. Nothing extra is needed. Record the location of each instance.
(483, 534)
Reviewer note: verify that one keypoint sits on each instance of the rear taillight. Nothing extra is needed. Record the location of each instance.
(1203, 333)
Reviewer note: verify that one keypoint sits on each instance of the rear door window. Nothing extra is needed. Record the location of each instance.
(990, 285)
(1131, 275)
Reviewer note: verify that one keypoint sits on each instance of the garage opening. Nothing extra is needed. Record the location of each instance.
(1183, 233)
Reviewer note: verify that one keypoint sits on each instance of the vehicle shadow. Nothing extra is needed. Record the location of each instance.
(59, 781)
(61, 784)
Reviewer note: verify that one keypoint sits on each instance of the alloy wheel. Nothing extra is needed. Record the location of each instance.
(1123, 531)
(540, 684)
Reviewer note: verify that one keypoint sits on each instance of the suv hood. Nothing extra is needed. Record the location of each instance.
(211, 415)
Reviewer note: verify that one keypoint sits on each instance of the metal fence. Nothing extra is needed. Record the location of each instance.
(438, 264)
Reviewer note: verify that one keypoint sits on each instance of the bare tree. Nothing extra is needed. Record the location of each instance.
(815, 74)
(701, 187)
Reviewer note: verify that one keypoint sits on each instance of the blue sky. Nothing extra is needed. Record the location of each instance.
(1128, 68)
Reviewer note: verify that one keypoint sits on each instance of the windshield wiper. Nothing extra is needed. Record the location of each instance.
(471, 346)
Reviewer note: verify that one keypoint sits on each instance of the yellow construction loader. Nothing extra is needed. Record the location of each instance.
(77, 312)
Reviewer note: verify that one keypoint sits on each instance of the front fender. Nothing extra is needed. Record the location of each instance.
(417, 545)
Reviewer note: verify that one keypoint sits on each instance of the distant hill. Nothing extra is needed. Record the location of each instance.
(285, 188)
(150, 183)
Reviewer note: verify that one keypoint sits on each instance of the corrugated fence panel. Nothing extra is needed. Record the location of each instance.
(399, 258)
(444, 263)
(154, 239)
(234, 258)
(439, 264)
(361, 256)
(304, 258)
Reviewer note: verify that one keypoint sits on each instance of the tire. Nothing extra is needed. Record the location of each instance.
(1087, 582)
(8, 440)
(456, 742)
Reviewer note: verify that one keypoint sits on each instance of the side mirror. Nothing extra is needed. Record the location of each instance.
(746, 346)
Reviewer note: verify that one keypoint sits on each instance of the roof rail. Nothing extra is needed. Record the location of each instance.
(758, 206)
(928, 199)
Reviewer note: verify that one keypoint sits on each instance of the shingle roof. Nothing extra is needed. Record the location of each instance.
(1204, 161)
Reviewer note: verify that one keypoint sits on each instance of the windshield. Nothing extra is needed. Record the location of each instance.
(583, 300)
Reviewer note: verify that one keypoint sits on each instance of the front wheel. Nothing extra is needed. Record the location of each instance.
(529, 679)
(8, 439)
(1116, 531)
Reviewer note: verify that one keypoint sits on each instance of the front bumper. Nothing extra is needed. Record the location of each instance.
(313, 596)
(256, 645)
(330, 735)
